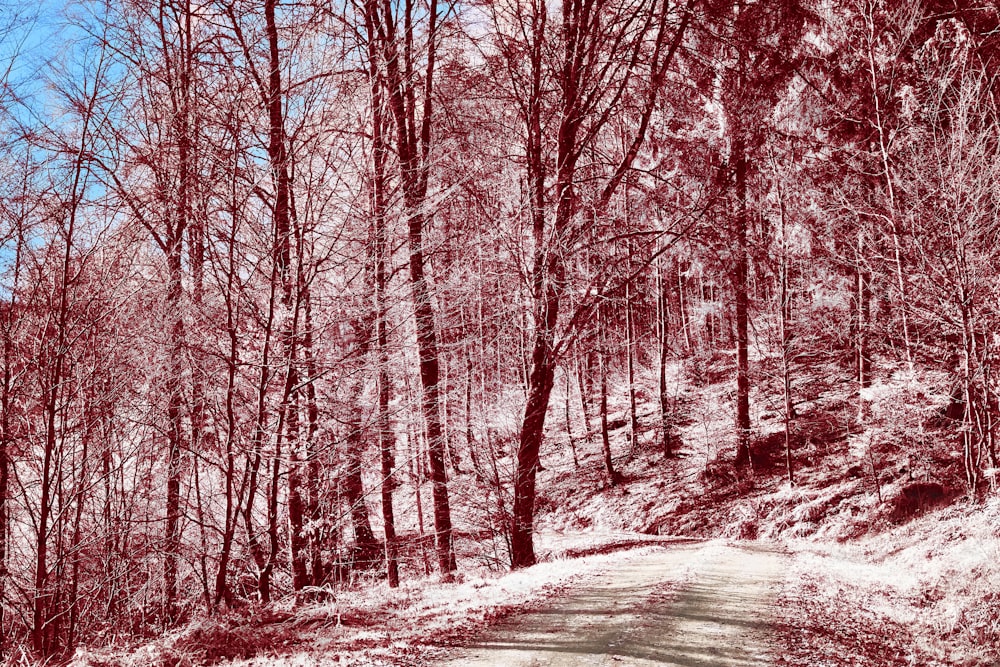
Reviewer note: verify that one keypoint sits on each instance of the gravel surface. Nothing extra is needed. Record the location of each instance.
(691, 605)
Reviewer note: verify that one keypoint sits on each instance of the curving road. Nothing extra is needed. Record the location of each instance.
(691, 605)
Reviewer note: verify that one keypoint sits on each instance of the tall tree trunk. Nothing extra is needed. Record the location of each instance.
(287, 425)
(112, 554)
(569, 422)
(232, 508)
(577, 82)
(582, 370)
(8, 317)
(666, 421)
(313, 487)
(82, 482)
(380, 251)
(414, 165)
(233, 495)
(416, 458)
(863, 363)
(882, 148)
(255, 456)
(181, 97)
(175, 399)
(5, 440)
(605, 432)
(742, 289)
(682, 309)
(633, 410)
(547, 276)
(195, 227)
(298, 543)
(532, 428)
(283, 236)
(785, 322)
(42, 599)
(386, 451)
(273, 491)
(470, 435)
(43, 608)
(972, 431)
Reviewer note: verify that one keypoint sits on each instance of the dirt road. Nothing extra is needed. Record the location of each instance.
(691, 605)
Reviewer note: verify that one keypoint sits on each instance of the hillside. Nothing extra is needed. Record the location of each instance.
(892, 554)
(899, 569)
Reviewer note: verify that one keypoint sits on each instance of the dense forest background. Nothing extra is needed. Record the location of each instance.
(274, 274)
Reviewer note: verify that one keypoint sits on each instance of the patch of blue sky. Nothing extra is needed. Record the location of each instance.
(48, 52)
(30, 33)
(46, 45)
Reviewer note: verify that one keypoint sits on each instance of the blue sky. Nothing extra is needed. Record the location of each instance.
(32, 34)
(41, 34)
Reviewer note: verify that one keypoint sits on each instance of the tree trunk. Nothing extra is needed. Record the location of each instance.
(386, 438)
(863, 366)
(366, 547)
(84, 476)
(386, 445)
(313, 490)
(43, 608)
(666, 421)
(605, 434)
(282, 256)
(414, 166)
(633, 410)
(971, 429)
(7, 321)
(273, 542)
(569, 422)
(532, 428)
(232, 507)
(682, 309)
(582, 369)
(415, 458)
(298, 543)
(742, 289)
(5, 439)
(255, 457)
(429, 376)
(884, 139)
(175, 399)
(576, 83)
(785, 306)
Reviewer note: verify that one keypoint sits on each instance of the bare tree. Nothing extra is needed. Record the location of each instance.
(589, 91)
(412, 118)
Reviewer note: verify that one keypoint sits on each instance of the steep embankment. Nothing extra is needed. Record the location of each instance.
(893, 559)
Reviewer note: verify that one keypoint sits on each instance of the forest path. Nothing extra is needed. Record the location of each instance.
(690, 605)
